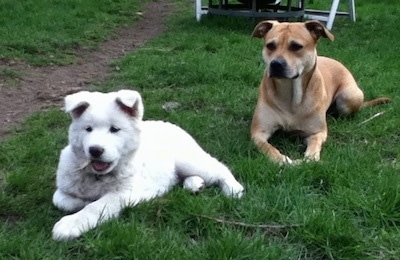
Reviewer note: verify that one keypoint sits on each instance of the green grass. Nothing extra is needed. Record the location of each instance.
(9, 75)
(49, 31)
(347, 206)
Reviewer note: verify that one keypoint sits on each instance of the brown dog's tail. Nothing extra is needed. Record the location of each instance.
(377, 101)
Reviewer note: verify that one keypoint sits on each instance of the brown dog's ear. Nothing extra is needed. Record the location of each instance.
(262, 28)
(318, 30)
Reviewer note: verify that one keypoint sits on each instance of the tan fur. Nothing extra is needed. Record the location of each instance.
(298, 87)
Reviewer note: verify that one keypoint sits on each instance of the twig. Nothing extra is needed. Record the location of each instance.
(372, 117)
(157, 49)
(267, 227)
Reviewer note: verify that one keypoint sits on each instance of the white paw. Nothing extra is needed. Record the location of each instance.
(312, 157)
(287, 161)
(233, 188)
(194, 183)
(68, 203)
(68, 227)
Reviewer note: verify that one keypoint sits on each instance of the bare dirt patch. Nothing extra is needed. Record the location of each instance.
(43, 87)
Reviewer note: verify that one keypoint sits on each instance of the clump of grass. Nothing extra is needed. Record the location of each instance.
(9, 75)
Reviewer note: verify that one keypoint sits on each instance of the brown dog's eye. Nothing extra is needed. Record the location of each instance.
(271, 46)
(295, 46)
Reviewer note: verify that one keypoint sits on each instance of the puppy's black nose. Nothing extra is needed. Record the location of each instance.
(96, 151)
(277, 68)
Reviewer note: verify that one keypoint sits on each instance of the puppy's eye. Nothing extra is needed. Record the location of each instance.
(114, 129)
(89, 129)
(271, 46)
(295, 46)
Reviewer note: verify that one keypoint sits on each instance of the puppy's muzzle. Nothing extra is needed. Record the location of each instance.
(96, 151)
(97, 164)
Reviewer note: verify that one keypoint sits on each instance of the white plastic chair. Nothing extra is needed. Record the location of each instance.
(329, 16)
(202, 10)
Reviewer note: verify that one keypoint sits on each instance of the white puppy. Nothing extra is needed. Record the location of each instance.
(115, 160)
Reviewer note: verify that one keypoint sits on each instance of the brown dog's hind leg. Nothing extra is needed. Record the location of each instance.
(349, 99)
(352, 99)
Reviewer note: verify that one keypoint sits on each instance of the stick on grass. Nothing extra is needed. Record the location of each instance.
(372, 117)
(272, 228)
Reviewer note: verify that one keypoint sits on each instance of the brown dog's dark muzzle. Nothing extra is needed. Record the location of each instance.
(277, 68)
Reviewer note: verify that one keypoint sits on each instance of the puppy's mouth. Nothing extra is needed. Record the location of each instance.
(100, 166)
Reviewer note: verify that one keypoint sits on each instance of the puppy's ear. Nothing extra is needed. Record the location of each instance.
(75, 104)
(318, 30)
(262, 28)
(131, 103)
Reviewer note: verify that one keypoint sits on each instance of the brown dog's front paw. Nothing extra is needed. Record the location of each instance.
(297, 162)
(312, 157)
(284, 160)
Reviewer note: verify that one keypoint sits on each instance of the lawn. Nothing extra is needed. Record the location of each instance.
(47, 31)
(347, 206)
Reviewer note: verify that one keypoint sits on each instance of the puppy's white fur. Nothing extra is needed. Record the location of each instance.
(115, 160)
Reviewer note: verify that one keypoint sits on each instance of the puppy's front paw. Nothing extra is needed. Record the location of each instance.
(67, 228)
(233, 188)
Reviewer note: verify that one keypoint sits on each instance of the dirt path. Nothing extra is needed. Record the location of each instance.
(44, 87)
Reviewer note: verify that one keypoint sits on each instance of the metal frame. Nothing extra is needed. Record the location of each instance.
(253, 10)
(275, 10)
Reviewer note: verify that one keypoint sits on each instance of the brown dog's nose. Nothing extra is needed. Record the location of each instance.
(277, 68)
(96, 151)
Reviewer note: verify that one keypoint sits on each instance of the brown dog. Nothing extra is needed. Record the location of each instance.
(298, 87)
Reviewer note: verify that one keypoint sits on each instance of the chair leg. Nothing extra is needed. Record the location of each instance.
(332, 14)
(352, 10)
(198, 10)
